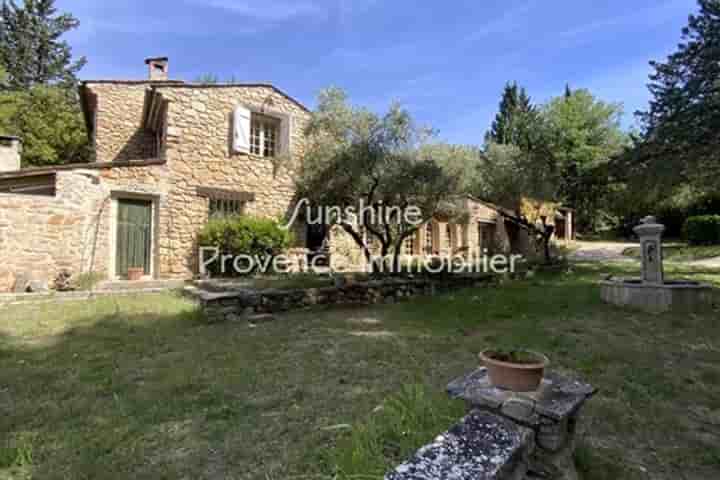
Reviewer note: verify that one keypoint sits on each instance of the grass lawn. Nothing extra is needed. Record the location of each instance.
(680, 253)
(141, 388)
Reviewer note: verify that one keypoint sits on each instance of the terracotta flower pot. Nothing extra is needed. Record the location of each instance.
(135, 273)
(516, 376)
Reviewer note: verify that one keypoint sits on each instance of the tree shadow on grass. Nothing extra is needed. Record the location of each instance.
(137, 393)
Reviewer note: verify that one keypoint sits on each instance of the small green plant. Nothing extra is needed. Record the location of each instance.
(18, 451)
(404, 423)
(87, 281)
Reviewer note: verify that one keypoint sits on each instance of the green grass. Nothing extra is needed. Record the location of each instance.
(140, 387)
(680, 253)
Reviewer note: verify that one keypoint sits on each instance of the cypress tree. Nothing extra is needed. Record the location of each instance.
(512, 122)
(680, 141)
(31, 50)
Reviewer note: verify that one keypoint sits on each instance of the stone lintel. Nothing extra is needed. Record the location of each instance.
(225, 194)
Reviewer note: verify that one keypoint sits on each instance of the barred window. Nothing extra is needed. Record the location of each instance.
(429, 238)
(264, 135)
(223, 208)
(409, 245)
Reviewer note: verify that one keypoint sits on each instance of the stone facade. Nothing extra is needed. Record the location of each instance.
(43, 235)
(74, 230)
(116, 111)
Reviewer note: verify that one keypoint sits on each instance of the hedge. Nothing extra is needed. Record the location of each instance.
(703, 230)
(260, 238)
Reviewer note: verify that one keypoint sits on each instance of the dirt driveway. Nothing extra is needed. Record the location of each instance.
(601, 252)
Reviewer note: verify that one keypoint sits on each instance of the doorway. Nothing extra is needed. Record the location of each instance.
(133, 238)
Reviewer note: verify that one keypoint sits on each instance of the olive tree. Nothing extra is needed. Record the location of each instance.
(368, 169)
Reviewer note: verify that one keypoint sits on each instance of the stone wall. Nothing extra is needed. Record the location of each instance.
(118, 134)
(199, 123)
(39, 235)
(42, 235)
(219, 307)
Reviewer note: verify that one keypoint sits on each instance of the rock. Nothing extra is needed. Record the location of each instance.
(37, 286)
(520, 409)
(21, 283)
(261, 318)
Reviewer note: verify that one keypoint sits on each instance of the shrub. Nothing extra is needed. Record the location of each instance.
(703, 230)
(260, 238)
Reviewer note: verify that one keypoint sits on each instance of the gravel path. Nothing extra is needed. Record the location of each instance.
(612, 252)
(601, 252)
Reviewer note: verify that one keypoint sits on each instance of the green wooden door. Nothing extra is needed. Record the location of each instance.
(134, 232)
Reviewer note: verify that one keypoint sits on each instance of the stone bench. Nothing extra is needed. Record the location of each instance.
(482, 446)
(507, 435)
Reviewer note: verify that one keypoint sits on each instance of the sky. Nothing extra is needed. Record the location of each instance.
(446, 62)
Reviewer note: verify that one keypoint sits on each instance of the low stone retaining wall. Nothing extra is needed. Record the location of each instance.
(107, 290)
(228, 306)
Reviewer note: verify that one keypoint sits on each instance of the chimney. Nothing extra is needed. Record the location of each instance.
(10, 149)
(158, 68)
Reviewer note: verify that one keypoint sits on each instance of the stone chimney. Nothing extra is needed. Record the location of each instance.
(10, 150)
(158, 68)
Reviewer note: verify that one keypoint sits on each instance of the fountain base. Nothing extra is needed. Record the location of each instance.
(670, 296)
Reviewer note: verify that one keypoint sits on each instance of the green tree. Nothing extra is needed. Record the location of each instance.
(680, 143)
(526, 182)
(515, 117)
(356, 157)
(49, 122)
(31, 49)
(458, 161)
(585, 135)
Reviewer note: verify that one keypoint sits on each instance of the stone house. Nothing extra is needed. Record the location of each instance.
(168, 155)
(485, 229)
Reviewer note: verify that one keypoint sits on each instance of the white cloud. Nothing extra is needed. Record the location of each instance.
(510, 21)
(268, 11)
(643, 19)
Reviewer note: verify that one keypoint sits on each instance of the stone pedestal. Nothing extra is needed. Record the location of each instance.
(551, 413)
(650, 234)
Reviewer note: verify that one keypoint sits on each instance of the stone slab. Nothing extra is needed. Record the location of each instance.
(482, 446)
(557, 398)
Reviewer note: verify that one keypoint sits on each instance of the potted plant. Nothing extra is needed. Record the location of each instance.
(515, 369)
(135, 273)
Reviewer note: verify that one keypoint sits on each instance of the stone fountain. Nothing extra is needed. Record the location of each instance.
(652, 292)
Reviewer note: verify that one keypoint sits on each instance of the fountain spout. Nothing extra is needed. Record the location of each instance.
(650, 234)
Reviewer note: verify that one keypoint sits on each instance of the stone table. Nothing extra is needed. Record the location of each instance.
(551, 411)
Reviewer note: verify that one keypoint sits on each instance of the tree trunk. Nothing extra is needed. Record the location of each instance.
(546, 248)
